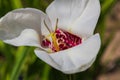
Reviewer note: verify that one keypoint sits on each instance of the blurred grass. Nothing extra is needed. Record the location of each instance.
(16, 4)
(17, 65)
(105, 8)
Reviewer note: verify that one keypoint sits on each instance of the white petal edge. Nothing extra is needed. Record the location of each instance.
(85, 24)
(82, 68)
(75, 59)
(28, 37)
(17, 20)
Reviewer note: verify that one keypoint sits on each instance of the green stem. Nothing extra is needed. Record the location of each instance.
(22, 52)
(47, 69)
(71, 77)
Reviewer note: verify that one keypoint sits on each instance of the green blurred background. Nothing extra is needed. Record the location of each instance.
(22, 64)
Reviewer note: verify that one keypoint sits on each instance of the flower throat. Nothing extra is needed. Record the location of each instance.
(61, 40)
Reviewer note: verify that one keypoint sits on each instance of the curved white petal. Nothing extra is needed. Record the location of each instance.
(66, 11)
(85, 24)
(75, 59)
(77, 16)
(46, 58)
(13, 23)
(28, 37)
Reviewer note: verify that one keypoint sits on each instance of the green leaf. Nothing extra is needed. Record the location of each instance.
(22, 52)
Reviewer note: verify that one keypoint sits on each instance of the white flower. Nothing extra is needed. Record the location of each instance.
(74, 20)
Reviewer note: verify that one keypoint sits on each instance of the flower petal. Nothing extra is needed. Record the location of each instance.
(13, 23)
(79, 57)
(67, 11)
(28, 37)
(45, 57)
(84, 26)
(80, 69)
(77, 16)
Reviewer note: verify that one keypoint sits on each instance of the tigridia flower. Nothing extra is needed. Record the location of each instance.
(63, 36)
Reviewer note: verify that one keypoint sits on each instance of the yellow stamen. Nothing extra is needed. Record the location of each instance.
(53, 36)
(55, 41)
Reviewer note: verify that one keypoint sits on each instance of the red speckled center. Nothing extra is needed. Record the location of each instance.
(64, 40)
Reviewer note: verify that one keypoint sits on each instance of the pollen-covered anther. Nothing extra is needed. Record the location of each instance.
(62, 40)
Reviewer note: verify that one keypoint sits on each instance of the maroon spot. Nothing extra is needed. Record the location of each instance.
(60, 40)
(61, 45)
